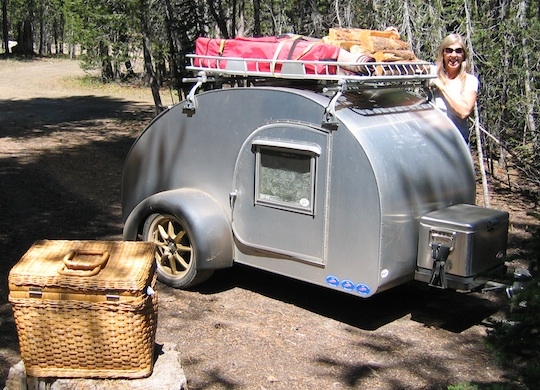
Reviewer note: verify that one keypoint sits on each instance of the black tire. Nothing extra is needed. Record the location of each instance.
(176, 254)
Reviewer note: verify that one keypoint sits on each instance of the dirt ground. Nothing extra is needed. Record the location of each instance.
(62, 146)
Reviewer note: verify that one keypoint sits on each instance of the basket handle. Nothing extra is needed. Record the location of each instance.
(72, 267)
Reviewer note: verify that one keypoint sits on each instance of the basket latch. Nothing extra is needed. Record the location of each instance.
(83, 263)
(35, 292)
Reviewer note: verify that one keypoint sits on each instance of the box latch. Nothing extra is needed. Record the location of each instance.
(441, 244)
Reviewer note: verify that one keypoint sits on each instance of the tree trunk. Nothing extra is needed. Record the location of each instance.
(154, 86)
(241, 24)
(476, 119)
(55, 37)
(257, 18)
(316, 18)
(150, 71)
(219, 17)
(107, 72)
(25, 38)
(174, 46)
(42, 50)
(5, 30)
(60, 29)
(129, 69)
(338, 16)
(407, 22)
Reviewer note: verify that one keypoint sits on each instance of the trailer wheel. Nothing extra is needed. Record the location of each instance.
(176, 255)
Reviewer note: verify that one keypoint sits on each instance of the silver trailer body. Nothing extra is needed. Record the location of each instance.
(323, 186)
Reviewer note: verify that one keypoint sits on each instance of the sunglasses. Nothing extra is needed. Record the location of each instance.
(449, 50)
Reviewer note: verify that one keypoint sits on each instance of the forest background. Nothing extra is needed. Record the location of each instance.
(115, 35)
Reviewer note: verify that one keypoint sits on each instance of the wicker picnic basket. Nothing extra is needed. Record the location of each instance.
(86, 309)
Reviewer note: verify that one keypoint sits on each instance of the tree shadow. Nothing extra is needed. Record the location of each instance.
(213, 378)
(443, 309)
(426, 367)
(40, 117)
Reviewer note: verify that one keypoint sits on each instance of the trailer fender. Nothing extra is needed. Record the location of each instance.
(202, 216)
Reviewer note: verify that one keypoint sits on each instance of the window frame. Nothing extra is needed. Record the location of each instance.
(295, 148)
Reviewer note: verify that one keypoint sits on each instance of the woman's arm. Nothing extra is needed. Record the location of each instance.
(461, 104)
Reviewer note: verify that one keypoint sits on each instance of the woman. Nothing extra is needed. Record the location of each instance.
(456, 87)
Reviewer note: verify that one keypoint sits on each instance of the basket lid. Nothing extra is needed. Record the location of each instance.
(113, 265)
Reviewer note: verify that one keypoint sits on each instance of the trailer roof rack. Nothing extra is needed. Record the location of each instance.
(334, 77)
(371, 74)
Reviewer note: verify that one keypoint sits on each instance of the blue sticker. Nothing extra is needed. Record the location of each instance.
(332, 280)
(363, 289)
(347, 285)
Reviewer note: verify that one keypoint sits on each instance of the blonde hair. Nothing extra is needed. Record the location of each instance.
(465, 65)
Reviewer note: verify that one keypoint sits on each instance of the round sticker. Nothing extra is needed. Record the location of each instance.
(347, 285)
(304, 202)
(384, 273)
(332, 280)
(363, 289)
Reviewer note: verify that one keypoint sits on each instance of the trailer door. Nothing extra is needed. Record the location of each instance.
(279, 198)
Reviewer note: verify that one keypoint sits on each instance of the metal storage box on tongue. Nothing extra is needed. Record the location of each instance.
(85, 308)
(475, 240)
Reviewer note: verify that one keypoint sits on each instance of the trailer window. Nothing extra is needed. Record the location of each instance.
(285, 178)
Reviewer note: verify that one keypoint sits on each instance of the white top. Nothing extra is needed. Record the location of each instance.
(454, 88)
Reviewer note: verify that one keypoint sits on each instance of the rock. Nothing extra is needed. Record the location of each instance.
(16, 379)
(167, 375)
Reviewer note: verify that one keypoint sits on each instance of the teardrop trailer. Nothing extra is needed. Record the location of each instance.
(355, 182)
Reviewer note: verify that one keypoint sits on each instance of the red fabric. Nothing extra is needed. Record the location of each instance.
(266, 48)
